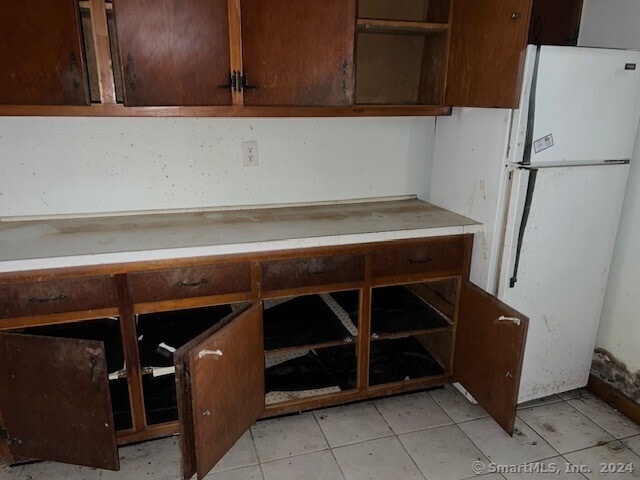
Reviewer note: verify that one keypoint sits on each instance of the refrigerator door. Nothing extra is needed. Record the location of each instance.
(586, 105)
(566, 248)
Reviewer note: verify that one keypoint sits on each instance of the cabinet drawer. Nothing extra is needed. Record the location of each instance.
(57, 296)
(306, 272)
(433, 256)
(189, 282)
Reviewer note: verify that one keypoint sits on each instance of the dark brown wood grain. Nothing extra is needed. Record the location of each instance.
(190, 282)
(555, 23)
(486, 52)
(57, 296)
(489, 353)
(306, 272)
(41, 55)
(54, 396)
(299, 52)
(172, 52)
(410, 10)
(429, 256)
(225, 367)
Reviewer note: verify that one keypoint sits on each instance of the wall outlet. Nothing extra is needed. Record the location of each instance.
(250, 154)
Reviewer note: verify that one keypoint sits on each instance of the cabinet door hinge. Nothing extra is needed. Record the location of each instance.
(7, 438)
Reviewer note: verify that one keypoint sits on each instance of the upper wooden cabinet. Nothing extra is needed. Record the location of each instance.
(555, 23)
(298, 53)
(486, 52)
(173, 52)
(263, 57)
(41, 54)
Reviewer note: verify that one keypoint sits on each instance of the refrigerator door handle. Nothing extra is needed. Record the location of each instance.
(523, 225)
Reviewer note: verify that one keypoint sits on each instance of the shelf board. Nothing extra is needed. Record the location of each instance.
(315, 346)
(366, 25)
(408, 333)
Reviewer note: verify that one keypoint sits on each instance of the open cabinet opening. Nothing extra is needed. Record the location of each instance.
(436, 11)
(412, 331)
(310, 346)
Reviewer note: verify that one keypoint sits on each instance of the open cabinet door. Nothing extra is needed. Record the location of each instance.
(54, 401)
(220, 385)
(489, 350)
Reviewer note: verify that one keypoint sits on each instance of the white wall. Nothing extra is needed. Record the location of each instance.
(93, 165)
(616, 24)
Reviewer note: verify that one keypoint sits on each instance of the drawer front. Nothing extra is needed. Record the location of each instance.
(434, 256)
(189, 282)
(306, 272)
(57, 296)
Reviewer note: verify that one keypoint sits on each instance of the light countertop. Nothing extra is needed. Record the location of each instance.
(41, 244)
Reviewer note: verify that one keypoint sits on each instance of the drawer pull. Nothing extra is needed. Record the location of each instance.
(316, 272)
(47, 299)
(204, 281)
(414, 261)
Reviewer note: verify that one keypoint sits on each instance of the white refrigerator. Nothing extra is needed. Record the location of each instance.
(548, 182)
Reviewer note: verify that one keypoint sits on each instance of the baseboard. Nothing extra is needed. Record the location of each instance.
(615, 398)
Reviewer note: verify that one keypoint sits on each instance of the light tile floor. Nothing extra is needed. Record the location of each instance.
(435, 435)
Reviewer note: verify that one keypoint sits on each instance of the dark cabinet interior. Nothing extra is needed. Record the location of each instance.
(266, 58)
(206, 349)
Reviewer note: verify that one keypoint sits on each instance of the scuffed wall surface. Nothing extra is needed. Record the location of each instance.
(96, 165)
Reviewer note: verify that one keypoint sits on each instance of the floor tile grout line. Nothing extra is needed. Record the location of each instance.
(400, 441)
(333, 455)
(440, 406)
(568, 461)
(255, 449)
(602, 426)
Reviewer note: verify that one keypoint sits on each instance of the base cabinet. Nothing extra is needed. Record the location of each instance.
(206, 349)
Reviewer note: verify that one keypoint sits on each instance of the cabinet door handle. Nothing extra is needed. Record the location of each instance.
(419, 260)
(56, 298)
(516, 15)
(204, 281)
(514, 320)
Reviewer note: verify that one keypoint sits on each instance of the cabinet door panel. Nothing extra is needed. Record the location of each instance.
(300, 53)
(173, 52)
(555, 23)
(220, 384)
(486, 53)
(41, 55)
(55, 401)
(489, 351)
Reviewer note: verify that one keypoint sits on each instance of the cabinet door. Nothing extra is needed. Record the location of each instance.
(299, 53)
(489, 350)
(174, 52)
(41, 55)
(555, 23)
(220, 385)
(54, 401)
(486, 52)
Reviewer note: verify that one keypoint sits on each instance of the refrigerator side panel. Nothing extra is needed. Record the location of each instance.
(587, 105)
(563, 270)
(469, 177)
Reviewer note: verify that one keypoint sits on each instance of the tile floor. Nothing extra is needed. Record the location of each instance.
(435, 435)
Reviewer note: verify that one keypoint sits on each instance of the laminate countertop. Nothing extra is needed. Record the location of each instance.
(74, 242)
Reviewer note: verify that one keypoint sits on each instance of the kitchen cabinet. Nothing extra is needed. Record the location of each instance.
(42, 56)
(205, 347)
(486, 52)
(281, 58)
(173, 53)
(298, 53)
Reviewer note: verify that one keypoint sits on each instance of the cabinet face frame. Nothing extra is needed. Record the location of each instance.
(74, 423)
